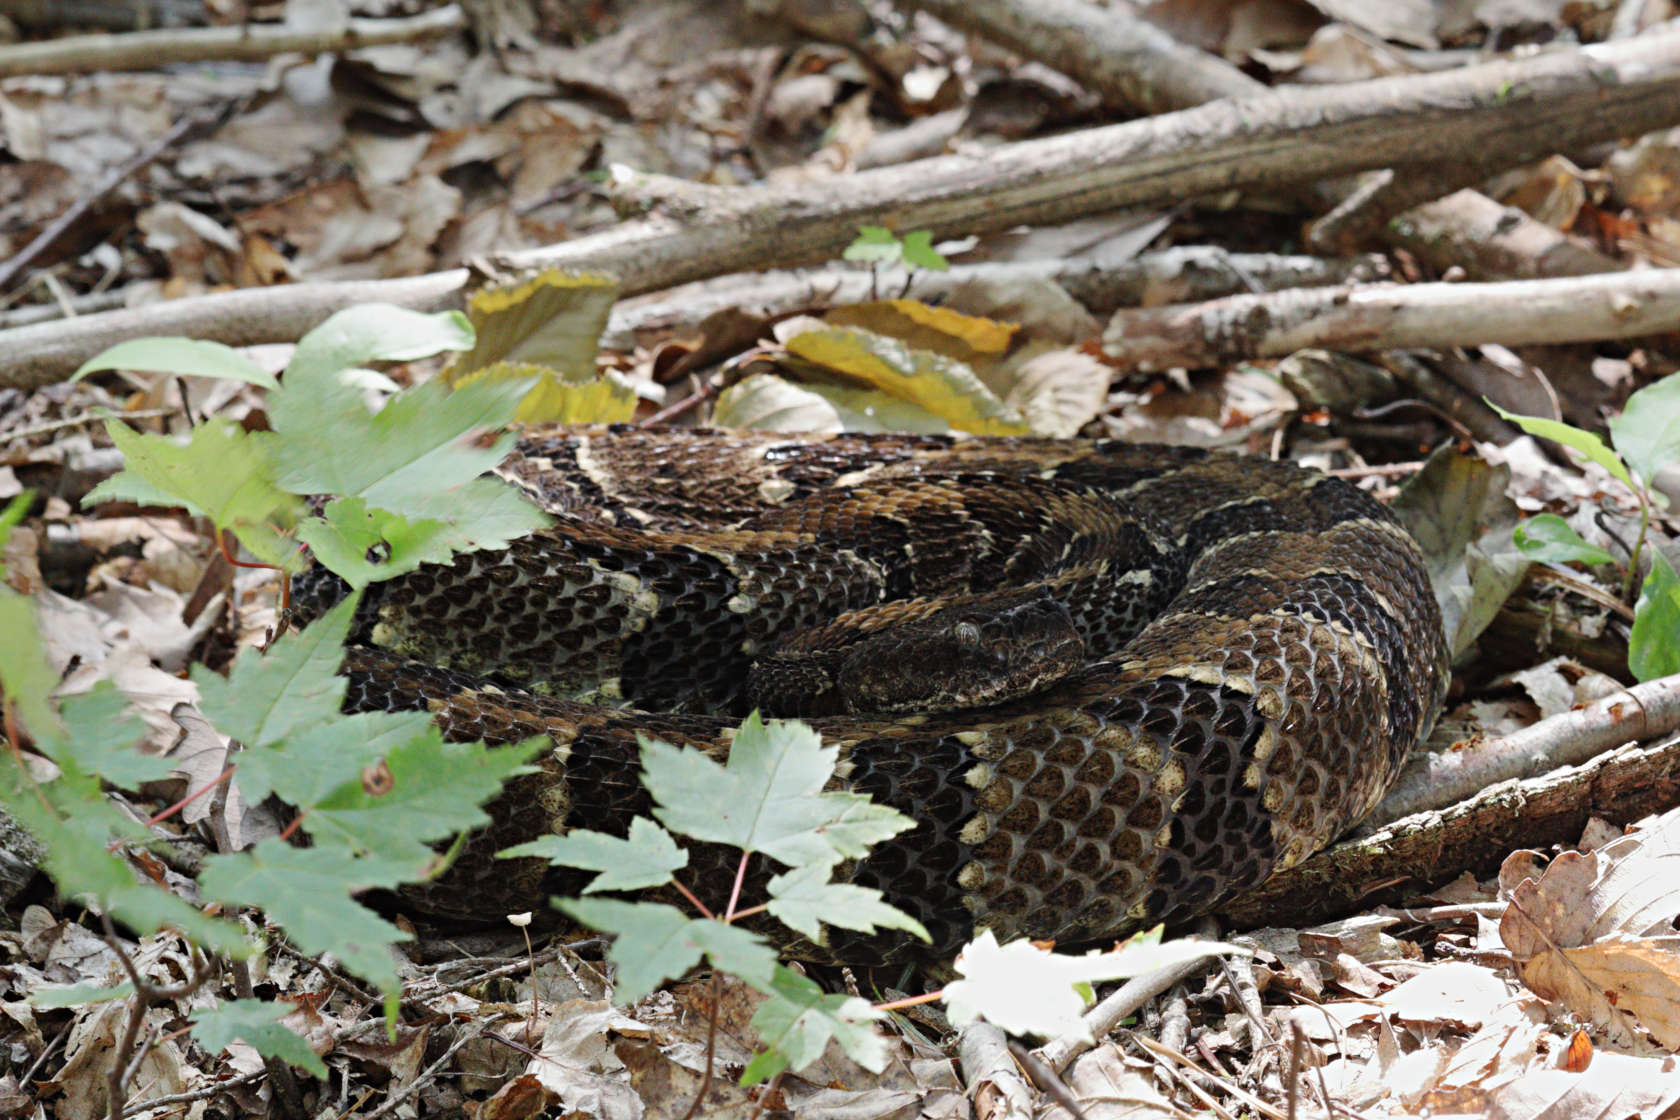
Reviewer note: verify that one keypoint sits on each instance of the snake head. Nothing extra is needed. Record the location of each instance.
(982, 650)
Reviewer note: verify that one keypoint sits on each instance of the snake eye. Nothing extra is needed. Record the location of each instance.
(967, 633)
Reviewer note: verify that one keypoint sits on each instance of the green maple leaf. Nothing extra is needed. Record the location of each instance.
(646, 859)
(306, 766)
(295, 686)
(432, 789)
(655, 943)
(221, 472)
(768, 798)
(256, 1022)
(364, 544)
(798, 1020)
(306, 891)
(804, 898)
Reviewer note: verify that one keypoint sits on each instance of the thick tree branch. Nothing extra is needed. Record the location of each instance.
(1426, 848)
(1514, 313)
(1515, 110)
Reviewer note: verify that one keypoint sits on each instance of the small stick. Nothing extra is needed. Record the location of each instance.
(56, 228)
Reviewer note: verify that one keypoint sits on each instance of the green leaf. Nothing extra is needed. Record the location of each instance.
(306, 891)
(920, 253)
(306, 766)
(100, 737)
(76, 995)
(1647, 432)
(256, 1022)
(769, 797)
(1586, 443)
(1654, 645)
(188, 356)
(25, 676)
(804, 898)
(14, 513)
(418, 457)
(655, 943)
(1028, 990)
(365, 545)
(1548, 537)
(371, 332)
(874, 244)
(646, 859)
(293, 687)
(799, 1019)
(735, 950)
(221, 473)
(429, 790)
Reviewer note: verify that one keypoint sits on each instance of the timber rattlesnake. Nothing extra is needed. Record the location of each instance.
(1294, 658)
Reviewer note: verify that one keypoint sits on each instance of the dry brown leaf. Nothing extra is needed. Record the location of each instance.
(1613, 1087)
(1595, 930)
(1107, 1084)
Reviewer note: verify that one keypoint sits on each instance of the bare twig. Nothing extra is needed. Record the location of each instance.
(1123, 1001)
(147, 50)
(1436, 779)
(187, 125)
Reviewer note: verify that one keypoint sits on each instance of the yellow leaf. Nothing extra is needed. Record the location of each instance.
(552, 319)
(967, 338)
(772, 404)
(946, 388)
(604, 398)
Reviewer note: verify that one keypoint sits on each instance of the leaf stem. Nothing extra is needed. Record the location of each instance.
(1638, 541)
(911, 1001)
(711, 1046)
(729, 914)
(164, 814)
(693, 899)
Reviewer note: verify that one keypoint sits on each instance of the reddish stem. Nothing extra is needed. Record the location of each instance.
(688, 894)
(911, 1001)
(165, 814)
(729, 915)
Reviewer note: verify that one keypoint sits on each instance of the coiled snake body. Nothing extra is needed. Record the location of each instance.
(1261, 649)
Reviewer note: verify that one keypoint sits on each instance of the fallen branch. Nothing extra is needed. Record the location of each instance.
(1122, 58)
(1509, 110)
(1514, 313)
(1427, 848)
(148, 50)
(1130, 62)
(1436, 779)
(1469, 230)
(1171, 275)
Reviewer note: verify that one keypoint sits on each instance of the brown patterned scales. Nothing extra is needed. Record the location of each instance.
(1149, 677)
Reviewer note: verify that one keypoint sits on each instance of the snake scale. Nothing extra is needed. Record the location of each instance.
(1259, 644)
